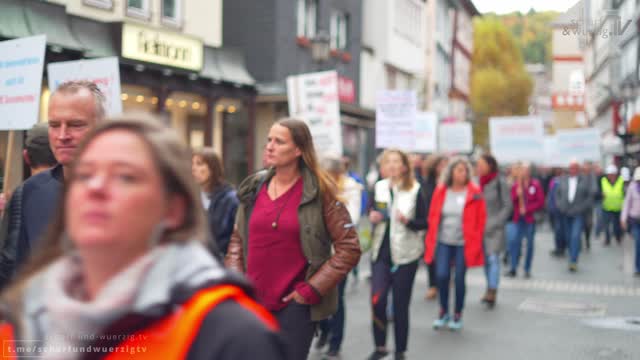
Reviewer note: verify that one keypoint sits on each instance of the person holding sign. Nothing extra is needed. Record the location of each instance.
(294, 239)
(75, 107)
(399, 217)
(457, 220)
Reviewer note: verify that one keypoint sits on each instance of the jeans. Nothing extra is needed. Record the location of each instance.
(599, 219)
(558, 232)
(515, 234)
(612, 218)
(573, 227)
(385, 277)
(336, 322)
(492, 270)
(635, 231)
(445, 256)
(296, 329)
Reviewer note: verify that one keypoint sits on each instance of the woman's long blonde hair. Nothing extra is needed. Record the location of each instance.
(173, 161)
(408, 178)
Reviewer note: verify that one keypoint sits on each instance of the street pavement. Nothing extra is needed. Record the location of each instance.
(592, 314)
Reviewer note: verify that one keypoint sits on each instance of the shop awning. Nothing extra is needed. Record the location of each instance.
(94, 36)
(12, 24)
(29, 18)
(51, 19)
(224, 64)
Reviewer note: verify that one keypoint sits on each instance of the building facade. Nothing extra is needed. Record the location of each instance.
(204, 96)
(567, 71)
(462, 50)
(278, 42)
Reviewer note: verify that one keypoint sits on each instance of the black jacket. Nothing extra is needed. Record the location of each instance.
(28, 214)
(221, 215)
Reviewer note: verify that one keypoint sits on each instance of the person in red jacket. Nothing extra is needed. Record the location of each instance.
(456, 226)
(527, 195)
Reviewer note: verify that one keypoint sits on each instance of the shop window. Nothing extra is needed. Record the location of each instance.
(172, 12)
(339, 30)
(235, 150)
(307, 18)
(139, 9)
(102, 4)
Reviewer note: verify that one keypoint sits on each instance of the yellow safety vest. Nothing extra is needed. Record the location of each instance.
(613, 194)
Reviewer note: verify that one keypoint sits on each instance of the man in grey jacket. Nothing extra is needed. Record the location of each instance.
(574, 197)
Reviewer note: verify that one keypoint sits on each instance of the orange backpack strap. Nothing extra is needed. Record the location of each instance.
(172, 337)
(7, 338)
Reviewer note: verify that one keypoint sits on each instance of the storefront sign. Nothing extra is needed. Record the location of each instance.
(161, 47)
(314, 99)
(517, 138)
(426, 132)
(396, 119)
(103, 72)
(455, 138)
(21, 65)
(579, 144)
(346, 90)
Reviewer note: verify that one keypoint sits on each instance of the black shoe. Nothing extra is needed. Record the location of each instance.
(510, 274)
(573, 267)
(332, 355)
(637, 274)
(399, 356)
(527, 275)
(378, 355)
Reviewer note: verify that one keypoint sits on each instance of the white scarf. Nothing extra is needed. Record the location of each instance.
(73, 321)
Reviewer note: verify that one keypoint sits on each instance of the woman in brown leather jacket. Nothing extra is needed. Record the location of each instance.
(288, 222)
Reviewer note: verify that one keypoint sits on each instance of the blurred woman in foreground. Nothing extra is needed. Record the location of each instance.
(126, 255)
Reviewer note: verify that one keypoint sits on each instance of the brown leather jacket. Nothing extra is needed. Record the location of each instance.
(325, 224)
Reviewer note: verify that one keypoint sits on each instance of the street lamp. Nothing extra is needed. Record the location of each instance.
(321, 47)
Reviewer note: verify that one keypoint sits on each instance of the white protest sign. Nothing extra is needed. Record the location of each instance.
(103, 72)
(517, 138)
(552, 157)
(455, 138)
(314, 99)
(580, 144)
(21, 65)
(426, 126)
(396, 119)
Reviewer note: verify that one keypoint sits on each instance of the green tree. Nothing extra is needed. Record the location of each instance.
(500, 86)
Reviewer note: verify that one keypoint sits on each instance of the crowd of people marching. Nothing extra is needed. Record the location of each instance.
(107, 253)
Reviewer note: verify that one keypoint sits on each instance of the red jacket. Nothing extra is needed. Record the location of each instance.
(474, 218)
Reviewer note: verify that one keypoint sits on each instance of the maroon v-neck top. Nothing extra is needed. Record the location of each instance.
(275, 262)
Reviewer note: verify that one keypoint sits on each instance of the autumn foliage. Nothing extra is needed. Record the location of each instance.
(500, 86)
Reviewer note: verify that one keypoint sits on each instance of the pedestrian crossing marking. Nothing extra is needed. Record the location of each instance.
(560, 286)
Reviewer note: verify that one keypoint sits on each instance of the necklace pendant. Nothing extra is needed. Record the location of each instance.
(274, 225)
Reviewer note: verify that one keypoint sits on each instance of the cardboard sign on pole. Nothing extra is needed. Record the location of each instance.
(103, 72)
(21, 65)
(314, 99)
(396, 119)
(455, 138)
(517, 138)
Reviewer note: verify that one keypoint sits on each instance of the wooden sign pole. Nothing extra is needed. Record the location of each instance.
(13, 170)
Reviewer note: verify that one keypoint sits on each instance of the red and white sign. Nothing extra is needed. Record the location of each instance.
(346, 90)
(566, 101)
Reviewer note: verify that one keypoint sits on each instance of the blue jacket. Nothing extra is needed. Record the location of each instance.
(222, 216)
(28, 214)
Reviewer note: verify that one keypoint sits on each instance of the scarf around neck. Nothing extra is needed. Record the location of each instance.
(485, 179)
